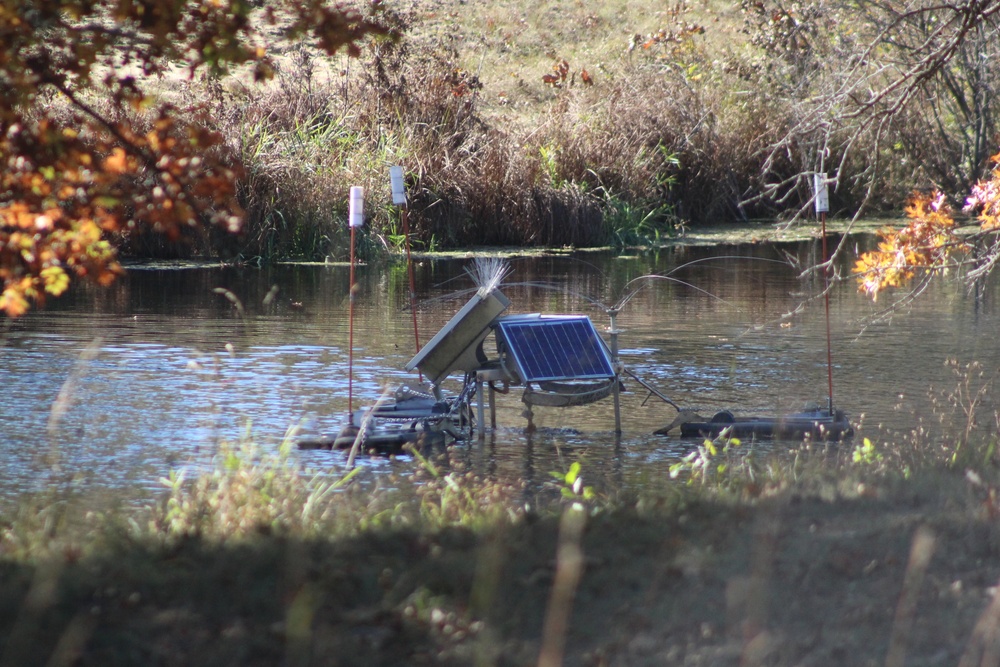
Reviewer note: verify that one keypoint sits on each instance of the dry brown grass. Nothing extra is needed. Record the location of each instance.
(653, 116)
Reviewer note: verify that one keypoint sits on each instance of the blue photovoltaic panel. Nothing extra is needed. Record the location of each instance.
(555, 348)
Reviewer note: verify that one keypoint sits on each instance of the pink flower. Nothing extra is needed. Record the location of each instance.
(938, 202)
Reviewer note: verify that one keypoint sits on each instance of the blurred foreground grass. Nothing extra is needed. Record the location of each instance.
(823, 558)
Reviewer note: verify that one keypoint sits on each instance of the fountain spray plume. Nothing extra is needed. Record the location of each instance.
(488, 273)
(636, 285)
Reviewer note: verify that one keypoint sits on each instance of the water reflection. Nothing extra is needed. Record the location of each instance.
(114, 387)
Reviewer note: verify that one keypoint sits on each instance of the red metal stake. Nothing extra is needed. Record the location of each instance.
(350, 336)
(413, 288)
(826, 294)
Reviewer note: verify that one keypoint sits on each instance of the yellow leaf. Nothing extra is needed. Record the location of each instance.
(55, 280)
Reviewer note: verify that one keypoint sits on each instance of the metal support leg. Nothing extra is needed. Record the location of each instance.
(618, 409)
(493, 408)
(613, 330)
(488, 376)
(479, 406)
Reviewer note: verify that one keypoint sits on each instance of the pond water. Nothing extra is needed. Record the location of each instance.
(113, 388)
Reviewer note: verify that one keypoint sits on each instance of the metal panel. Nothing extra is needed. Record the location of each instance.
(565, 347)
(456, 347)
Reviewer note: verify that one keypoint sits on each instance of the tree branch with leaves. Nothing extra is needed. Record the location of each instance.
(915, 82)
(932, 243)
(89, 150)
(847, 91)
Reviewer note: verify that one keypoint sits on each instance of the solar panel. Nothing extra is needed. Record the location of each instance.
(563, 347)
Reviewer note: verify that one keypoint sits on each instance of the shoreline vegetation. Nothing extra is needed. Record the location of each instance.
(552, 126)
(235, 130)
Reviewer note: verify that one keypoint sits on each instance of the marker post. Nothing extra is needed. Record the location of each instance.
(399, 199)
(822, 200)
(356, 218)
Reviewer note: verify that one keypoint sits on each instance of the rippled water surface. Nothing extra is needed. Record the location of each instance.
(113, 388)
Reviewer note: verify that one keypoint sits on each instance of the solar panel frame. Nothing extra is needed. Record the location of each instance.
(554, 347)
(457, 346)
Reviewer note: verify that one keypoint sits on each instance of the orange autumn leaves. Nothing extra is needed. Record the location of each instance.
(48, 228)
(929, 243)
(925, 244)
(87, 152)
(64, 194)
(40, 251)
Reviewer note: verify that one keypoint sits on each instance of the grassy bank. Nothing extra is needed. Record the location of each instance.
(555, 124)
